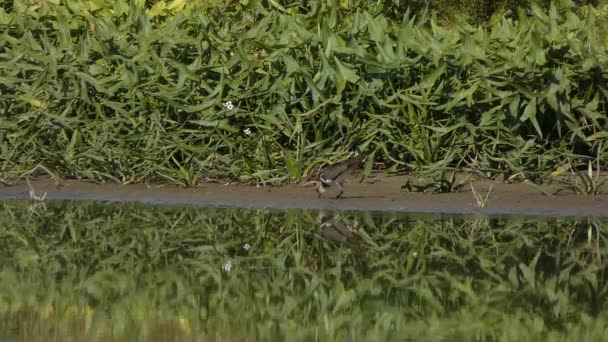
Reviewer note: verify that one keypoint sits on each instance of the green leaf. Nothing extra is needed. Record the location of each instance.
(292, 166)
(514, 106)
(377, 27)
(343, 75)
(530, 114)
(219, 124)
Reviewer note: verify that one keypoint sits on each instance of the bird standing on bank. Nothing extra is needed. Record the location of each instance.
(334, 175)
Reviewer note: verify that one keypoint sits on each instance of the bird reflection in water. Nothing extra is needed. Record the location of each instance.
(336, 229)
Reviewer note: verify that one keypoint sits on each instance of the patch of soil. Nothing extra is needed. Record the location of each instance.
(379, 192)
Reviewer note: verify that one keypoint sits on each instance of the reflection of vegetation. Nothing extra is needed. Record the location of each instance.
(120, 269)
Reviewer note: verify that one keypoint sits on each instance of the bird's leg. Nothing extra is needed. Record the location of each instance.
(341, 191)
(320, 189)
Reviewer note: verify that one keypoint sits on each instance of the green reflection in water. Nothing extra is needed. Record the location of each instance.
(98, 271)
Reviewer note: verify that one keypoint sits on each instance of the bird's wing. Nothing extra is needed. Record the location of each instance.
(341, 170)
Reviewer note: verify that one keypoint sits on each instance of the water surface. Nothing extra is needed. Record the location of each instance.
(123, 271)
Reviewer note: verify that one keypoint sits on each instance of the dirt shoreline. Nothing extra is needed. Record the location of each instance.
(376, 193)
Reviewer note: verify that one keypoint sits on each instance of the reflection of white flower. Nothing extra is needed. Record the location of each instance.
(227, 266)
(247, 247)
(228, 105)
(247, 131)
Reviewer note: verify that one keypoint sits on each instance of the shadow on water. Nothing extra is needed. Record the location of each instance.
(122, 272)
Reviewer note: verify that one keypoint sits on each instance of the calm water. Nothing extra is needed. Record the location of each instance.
(90, 271)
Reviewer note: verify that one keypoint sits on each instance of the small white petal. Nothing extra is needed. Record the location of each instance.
(227, 266)
(247, 247)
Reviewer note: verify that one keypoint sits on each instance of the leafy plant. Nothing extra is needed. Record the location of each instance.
(115, 93)
(587, 182)
(128, 271)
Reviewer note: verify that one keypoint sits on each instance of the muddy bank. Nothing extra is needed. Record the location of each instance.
(376, 193)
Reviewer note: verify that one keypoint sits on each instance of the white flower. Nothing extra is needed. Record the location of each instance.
(247, 131)
(415, 254)
(228, 105)
(247, 247)
(227, 266)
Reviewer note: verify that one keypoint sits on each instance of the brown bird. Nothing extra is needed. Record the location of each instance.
(334, 175)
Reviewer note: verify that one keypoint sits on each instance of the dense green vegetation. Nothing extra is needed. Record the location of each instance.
(268, 91)
(100, 269)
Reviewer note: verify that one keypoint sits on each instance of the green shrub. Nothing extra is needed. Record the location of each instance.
(108, 94)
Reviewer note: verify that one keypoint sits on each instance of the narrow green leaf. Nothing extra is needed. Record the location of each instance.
(292, 166)
(343, 75)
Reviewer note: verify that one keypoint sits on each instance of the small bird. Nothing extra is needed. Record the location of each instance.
(336, 230)
(334, 175)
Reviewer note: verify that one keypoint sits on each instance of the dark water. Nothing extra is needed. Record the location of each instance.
(88, 271)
